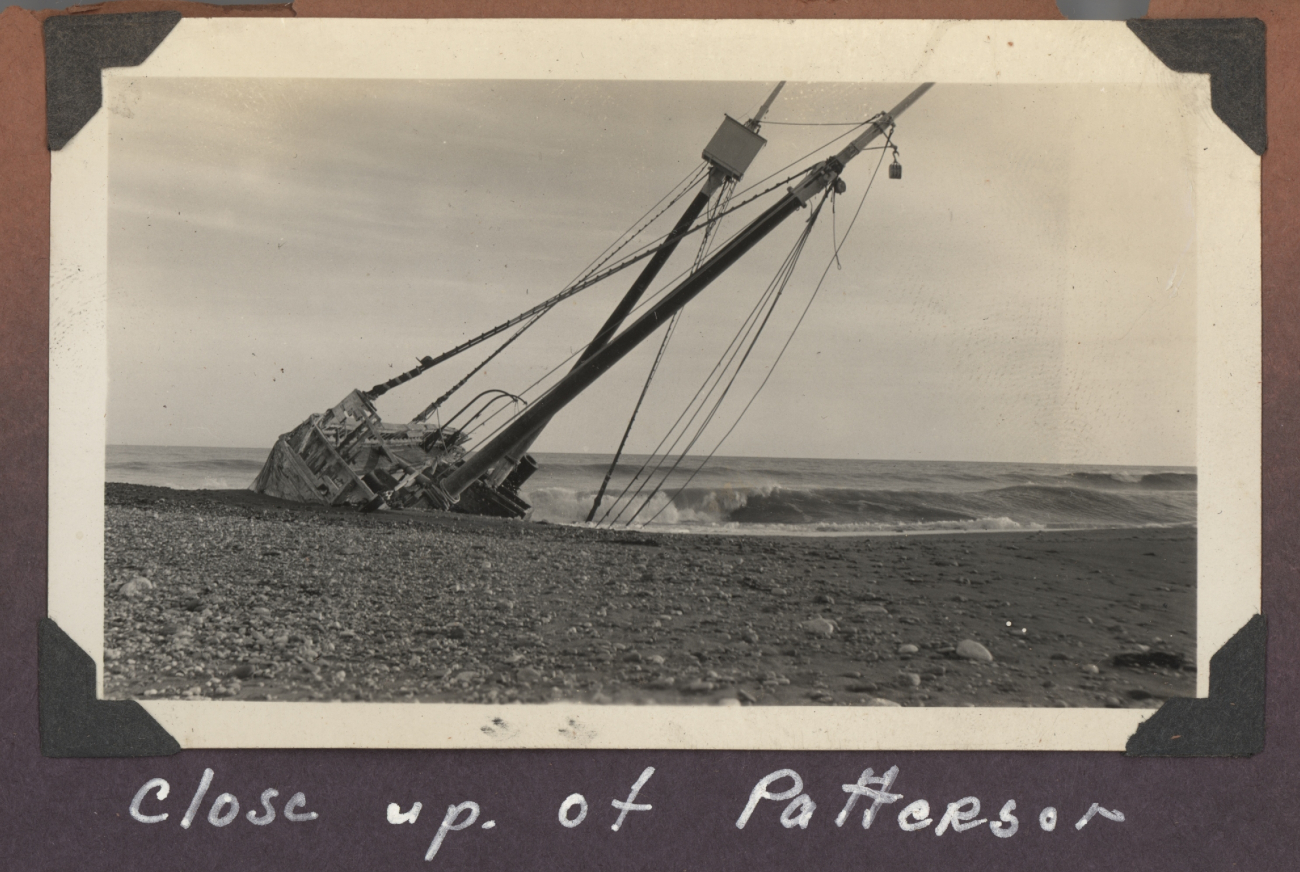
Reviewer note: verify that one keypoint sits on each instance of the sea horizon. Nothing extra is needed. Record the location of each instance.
(776, 495)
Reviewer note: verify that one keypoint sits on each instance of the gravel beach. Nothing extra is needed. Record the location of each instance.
(227, 594)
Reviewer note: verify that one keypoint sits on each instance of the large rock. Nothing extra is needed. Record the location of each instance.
(969, 649)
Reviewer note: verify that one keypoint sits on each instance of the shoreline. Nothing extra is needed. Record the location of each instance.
(248, 597)
(738, 531)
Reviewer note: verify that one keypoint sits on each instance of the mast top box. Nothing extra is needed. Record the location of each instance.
(733, 147)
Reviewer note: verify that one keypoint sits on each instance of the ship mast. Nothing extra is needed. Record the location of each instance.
(615, 349)
(728, 154)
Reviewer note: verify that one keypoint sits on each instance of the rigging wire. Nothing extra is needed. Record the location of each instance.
(702, 393)
(588, 277)
(788, 340)
(580, 284)
(724, 360)
(778, 286)
(584, 280)
(770, 175)
(720, 203)
(655, 244)
(709, 224)
(817, 123)
(613, 464)
(694, 178)
(648, 301)
(514, 398)
(463, 409)
(433, 407)
(826, 144)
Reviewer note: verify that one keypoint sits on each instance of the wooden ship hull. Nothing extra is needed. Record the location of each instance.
(348, 456)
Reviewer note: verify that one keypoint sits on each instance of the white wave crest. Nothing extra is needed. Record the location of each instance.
(561, 505)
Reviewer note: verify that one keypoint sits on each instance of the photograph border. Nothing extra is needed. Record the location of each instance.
(1228, 431)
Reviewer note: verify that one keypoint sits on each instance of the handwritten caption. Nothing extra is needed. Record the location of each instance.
(224, 808)
(870, 793)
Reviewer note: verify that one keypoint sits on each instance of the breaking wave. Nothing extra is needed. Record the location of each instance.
(1185, 481)
(832, 509)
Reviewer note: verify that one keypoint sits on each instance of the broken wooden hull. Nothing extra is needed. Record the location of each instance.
(348, 456)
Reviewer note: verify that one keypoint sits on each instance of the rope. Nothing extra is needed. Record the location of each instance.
(500, 393)
(709, 224)
(817, 123)
(433, 407)
(707, 387)
(806, 156)
(722, 201)
(648, 301)
(663, 346)
(795, 329)
(779, 282)
(587, 277)
(584, 280)
(723, 361)
(692, 179)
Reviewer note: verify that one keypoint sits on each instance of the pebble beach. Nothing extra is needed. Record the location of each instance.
(232, 595)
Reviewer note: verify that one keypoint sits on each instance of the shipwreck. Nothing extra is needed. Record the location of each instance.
(348, 456)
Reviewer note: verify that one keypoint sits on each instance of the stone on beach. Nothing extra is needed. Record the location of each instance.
(819, 627)
(969, 649)
(388, 608)
(136, 587)
(1147, 659)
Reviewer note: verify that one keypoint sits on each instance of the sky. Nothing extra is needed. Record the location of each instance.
(1026, 292)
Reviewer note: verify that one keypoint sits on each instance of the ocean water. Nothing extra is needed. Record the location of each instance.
(781, 495)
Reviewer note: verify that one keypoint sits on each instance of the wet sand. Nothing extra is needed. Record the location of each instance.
(228, 594)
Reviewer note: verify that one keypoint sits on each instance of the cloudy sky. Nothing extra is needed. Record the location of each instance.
(1025, 293)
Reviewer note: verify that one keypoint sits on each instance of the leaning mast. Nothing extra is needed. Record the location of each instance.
(729, 154)
(596, 364)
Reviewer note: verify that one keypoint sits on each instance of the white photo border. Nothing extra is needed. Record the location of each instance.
(1228, 370)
